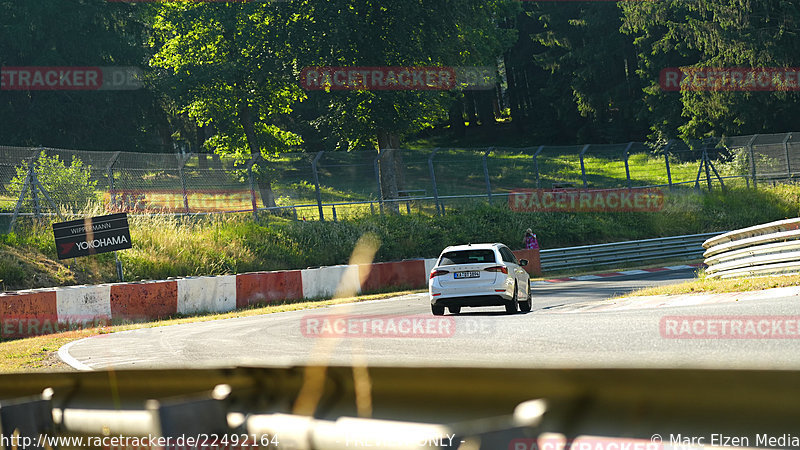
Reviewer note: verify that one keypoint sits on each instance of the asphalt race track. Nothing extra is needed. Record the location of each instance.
(565, 329)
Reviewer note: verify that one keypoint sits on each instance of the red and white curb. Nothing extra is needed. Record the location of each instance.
(52, 310)
(600, 276)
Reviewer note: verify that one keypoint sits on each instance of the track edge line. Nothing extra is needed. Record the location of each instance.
(63, 353)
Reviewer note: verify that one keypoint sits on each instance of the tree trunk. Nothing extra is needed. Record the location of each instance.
(197, 139)
(497, 101)
(469, 107)
(264, 186)
(197, 145)
(203, 134)
(165, 133)
(388, 144)
(399, 164)
(484, 103)
(514, 104)
(456, 114)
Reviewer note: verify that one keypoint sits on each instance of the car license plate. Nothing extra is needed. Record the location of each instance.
(459, 275)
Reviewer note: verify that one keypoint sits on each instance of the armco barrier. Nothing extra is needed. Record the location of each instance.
(407, 413)
(768, 249)
(262, 287)
(82, 302)
(149, 300)
(325, 281)
(206, 294)
(768, 230)
(409, 274)
(534, 267)
(686, 247)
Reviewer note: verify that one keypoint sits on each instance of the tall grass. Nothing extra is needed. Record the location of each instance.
(170, 246)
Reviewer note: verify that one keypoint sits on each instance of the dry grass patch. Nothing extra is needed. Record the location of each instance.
(26, 268)
(714, 286)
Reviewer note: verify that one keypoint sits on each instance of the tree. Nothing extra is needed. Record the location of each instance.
(69, 186)
(715, 33)
(75, 33)
(228, 66)
(572, 73)
(395, 33)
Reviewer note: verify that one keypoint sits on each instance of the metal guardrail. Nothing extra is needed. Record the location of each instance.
(407, 408)
(768, 249)
(687, 246)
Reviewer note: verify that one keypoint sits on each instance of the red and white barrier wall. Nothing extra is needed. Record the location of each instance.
(42, 311)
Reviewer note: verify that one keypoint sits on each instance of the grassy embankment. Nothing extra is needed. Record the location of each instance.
(715, 286)
(168, 247)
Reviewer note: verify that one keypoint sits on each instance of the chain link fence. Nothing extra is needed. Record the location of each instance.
(332, 185)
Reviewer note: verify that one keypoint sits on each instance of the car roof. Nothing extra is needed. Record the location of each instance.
(473, 247)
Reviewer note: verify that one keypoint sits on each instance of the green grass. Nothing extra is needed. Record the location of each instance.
(205, 245)
(715, 286)
(460, 171)
(350, 176)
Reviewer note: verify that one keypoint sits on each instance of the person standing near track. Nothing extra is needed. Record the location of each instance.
(530, 241)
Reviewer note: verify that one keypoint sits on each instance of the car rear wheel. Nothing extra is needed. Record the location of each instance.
(454, 309)
(437, 310)
(527, 305)
(511, 307)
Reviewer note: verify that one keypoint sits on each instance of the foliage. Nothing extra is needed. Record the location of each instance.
(395, 33)
(69, 186)
(226, 65)
(77, 33)
(588, 78)
(223, 75)
(714, 33)
(166, 246)
(738, 165)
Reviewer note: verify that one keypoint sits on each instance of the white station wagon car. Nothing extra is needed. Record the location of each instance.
(479, 275)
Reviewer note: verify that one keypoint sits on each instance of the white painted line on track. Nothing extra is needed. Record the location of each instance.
(63, 353)
(633, 272)
(381, 300)
(103, 362)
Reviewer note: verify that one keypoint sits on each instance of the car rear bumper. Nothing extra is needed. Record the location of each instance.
(497, 299)
(501, 287)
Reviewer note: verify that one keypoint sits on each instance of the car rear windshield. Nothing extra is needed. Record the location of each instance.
(467, 257)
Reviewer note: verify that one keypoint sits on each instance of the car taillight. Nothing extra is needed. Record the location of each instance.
(437, 272)
(503, 269)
